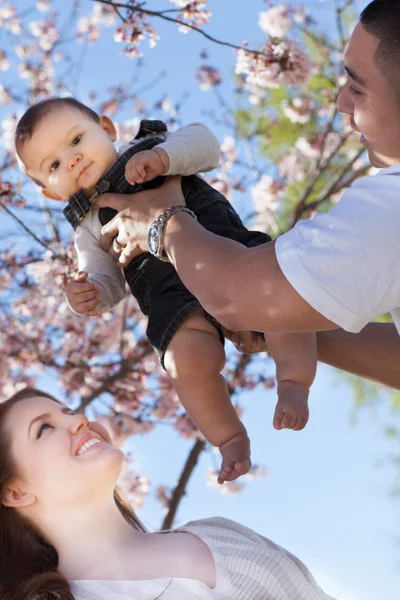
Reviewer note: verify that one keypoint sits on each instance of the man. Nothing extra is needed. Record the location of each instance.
(340, 269)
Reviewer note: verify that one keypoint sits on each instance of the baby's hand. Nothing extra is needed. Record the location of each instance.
(83, 296)
(146, 165)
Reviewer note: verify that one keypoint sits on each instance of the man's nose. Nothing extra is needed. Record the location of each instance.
(74, 160)
(344, 101)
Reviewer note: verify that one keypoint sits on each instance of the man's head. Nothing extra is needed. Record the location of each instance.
(371, 96)
(63, 146)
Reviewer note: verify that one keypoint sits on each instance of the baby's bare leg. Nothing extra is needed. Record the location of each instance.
(295, 356)
(194, 360)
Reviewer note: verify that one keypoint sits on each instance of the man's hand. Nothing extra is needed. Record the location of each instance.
(83, 296)
(247, 342)
(136, 212)
(146, 165)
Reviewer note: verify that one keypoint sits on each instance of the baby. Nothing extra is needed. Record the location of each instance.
(68, 150)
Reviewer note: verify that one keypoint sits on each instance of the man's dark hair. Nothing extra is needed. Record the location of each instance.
(381, 18)
(37, 112)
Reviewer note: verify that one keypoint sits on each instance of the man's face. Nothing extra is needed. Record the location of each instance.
(370, 101)
(68, 151)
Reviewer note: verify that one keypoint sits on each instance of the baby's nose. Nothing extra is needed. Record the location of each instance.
(74, 160)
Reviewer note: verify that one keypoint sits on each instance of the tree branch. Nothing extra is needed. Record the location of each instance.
(163, 15)
(180, 490)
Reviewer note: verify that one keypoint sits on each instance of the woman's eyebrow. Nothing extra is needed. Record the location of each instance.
(64, 410)
(36, 419)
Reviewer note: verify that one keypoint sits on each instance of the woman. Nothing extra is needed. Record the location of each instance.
(65, 533)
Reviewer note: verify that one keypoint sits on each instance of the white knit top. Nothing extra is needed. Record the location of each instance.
(248, 567)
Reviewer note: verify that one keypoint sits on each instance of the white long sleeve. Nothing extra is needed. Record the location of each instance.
(191, 149)
(102, 267)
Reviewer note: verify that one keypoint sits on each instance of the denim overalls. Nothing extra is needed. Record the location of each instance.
(155, 284)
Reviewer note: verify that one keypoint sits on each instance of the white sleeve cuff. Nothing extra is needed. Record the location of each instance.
(310, 289)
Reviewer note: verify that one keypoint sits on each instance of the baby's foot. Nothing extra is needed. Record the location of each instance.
(235, 458)
(291, 412)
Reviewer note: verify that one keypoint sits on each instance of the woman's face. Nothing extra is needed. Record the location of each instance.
(59, 456)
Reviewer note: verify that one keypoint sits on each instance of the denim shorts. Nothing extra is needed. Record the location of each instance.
(156, 285)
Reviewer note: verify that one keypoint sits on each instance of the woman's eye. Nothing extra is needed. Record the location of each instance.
(42, 429)
(55, 165)
(76, 140)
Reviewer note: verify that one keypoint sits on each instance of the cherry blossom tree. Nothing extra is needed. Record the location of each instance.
(285, 145)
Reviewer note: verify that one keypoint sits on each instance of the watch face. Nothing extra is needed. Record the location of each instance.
(153, 240)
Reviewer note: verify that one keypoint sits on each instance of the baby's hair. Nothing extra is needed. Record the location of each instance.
(37, 112)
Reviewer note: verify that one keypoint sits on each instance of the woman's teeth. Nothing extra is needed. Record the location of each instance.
(87, 445)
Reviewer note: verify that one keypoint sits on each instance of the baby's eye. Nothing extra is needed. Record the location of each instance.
(76, 140)
(54, 165)
(43, 428)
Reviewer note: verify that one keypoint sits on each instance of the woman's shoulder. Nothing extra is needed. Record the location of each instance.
(221, 528)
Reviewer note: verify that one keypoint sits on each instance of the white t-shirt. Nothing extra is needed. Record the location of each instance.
(346, 263)
(248, 566)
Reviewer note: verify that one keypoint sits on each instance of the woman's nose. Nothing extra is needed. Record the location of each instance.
(79, 423)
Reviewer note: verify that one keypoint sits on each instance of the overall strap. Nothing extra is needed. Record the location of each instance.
(79, 204)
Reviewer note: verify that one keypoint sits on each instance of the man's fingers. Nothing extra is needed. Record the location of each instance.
(108, 233)
(116, 201)
(128, 253)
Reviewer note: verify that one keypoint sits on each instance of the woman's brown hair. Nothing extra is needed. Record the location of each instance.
(28, 564)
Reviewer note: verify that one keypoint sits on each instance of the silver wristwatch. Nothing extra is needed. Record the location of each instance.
(155, 235)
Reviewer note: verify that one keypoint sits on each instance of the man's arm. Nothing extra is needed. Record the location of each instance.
(243, 288)
(374, 353)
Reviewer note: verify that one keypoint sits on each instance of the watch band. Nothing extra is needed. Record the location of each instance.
(155, 236)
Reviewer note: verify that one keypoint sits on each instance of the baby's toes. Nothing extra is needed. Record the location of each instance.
(226, 471)
(278, 417)
(300, 424)
(287, 421)
(242, 467)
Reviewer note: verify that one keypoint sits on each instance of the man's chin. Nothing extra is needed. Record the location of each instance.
(378, 161)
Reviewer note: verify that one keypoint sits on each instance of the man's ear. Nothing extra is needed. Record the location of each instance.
(51, 195)
(109, 127)
(14, 497)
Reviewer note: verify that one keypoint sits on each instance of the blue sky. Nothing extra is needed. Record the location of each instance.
(327, 496)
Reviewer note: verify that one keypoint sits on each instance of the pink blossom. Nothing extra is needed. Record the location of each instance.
(9, 19)
(266, 195)
(282, 63)
(229, 153)
(5, 95)
(298, 109)
(275, 21)
(43, 5)
(208, 77)
(46, 33)
(4, 62)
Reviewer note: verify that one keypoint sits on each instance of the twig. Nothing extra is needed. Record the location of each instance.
(162, 15)
(180, 490)
(38, 240)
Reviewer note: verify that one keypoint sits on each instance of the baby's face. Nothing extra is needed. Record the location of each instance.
(68, 151)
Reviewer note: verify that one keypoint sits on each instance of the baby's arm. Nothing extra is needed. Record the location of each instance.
(104, 276)
(189, 150)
